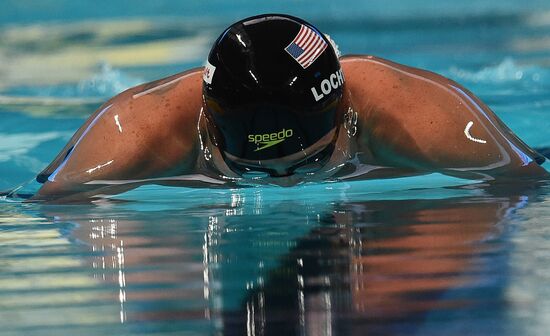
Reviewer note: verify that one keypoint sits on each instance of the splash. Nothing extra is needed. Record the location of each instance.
(107, 82)
(104, 83)
(506, 72)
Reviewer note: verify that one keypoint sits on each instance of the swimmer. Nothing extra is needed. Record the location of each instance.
(275, 104)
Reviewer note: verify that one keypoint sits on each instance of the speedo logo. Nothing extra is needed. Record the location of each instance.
(267, 140)
(334, 81)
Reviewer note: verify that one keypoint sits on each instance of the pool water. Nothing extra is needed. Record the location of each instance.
(428, 255)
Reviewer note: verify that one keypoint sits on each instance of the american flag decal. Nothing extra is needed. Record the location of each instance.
(306, 47)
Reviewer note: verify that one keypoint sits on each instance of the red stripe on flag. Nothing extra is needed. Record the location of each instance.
(308, 42)
(306, 35)
(310, 49)
(318, 51)
(303, 31)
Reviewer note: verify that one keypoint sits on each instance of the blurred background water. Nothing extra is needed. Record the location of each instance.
(427, 255)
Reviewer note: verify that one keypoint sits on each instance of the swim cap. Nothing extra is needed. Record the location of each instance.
(272, 88)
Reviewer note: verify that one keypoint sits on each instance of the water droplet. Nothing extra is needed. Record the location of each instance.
(207, 154)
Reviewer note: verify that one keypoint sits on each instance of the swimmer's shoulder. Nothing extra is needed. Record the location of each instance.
(189, 79)
(352, 64)
(174, 100)
(371, 79)
(367, 69)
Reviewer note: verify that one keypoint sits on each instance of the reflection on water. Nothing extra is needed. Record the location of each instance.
(382, 267)
(239, 264)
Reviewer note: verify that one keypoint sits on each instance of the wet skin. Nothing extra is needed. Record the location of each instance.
(409, 121)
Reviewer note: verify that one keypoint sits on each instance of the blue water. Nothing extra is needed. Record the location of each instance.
(428, 255)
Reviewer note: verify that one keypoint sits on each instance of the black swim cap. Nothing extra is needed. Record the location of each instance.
(272, 88)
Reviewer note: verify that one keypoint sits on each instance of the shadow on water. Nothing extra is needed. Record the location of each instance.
(245, 263)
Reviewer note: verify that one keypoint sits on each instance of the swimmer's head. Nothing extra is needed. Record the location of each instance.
(272, 89)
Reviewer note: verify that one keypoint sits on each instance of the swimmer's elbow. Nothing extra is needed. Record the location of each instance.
(64, 193)
(530, 172)
(42, 177)
(53, 190)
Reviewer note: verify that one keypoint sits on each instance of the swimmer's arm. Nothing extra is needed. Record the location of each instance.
(46, 172)
(132, 139)
(419, 120)
(485, 147)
